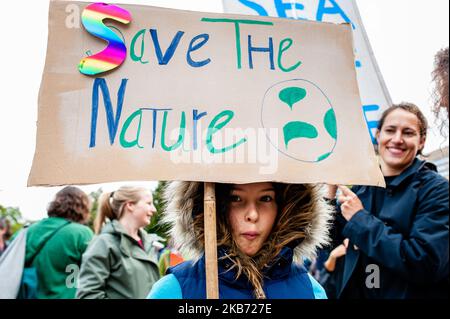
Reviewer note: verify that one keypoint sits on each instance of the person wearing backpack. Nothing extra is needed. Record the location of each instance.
(54, 245)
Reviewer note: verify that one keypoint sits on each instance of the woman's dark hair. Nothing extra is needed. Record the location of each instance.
(70, 203)
(411, 108)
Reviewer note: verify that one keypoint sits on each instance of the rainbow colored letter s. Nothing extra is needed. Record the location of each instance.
(116, 51)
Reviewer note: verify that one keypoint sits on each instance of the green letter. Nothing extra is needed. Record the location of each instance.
(127, 123)
(180, 136)
(214, 128)
(133, 56)
(283, 49)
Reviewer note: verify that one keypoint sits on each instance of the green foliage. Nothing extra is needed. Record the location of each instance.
(95, 196)
(156, 227)
(14, 216)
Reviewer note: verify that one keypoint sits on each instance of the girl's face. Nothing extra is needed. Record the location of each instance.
(252, 214)
(143, 210)
(399, 141)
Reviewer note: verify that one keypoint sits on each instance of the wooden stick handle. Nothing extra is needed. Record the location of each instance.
(212, 276)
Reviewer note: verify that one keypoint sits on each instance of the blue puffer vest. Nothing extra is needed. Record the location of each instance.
(283, 280)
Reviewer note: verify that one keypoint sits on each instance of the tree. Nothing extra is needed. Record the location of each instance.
(95, 196)
(14, 216)
(156, 226)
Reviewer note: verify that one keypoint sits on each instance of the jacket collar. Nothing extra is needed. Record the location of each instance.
(129, 247)
(280, 268)
(406, 174)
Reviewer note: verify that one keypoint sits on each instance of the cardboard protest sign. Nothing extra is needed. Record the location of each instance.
(159, 94)
(374, 94)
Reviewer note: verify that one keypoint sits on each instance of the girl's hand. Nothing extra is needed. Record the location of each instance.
(338, 252)
(331, 191)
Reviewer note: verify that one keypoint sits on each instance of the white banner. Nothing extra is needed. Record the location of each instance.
(374, 94)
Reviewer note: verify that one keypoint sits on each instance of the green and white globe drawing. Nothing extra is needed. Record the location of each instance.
(304, 117)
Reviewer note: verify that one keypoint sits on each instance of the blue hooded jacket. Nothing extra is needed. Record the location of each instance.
(285, 280)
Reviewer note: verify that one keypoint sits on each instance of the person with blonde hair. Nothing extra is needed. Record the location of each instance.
(121, 262)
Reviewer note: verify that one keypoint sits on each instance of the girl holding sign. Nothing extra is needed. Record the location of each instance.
(264, 230)
(399, 236)
(121, 262)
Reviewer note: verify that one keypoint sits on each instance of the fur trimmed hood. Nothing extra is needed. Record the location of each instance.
(181, 197)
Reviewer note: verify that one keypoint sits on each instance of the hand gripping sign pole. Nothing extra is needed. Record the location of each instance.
(212, 281)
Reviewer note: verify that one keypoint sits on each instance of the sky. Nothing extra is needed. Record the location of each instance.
(404, 35)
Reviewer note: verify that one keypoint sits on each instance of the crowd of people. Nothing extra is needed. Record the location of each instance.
(372, 242)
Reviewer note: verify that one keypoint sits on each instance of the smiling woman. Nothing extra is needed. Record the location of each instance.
(401, 136)
(401, 230)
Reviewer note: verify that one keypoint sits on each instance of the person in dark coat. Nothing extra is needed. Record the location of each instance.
(399, 235)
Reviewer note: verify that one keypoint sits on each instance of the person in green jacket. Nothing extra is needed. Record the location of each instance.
(54, 245)
(122, 261)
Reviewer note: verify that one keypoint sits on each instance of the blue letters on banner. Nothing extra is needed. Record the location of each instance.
(194, 47)
(255, 49)
(371, 124)
(165, 59)
(113, 122)
(258, 8)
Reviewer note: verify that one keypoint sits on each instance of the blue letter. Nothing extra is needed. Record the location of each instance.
(258, 8)
(113, 122)
(371, 124)
(334, 9)
(194, 47)
(196, 117)
(269, 49)
(283, 7)
(165, 59)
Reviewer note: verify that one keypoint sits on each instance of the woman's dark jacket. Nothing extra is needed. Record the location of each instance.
(403, 231)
